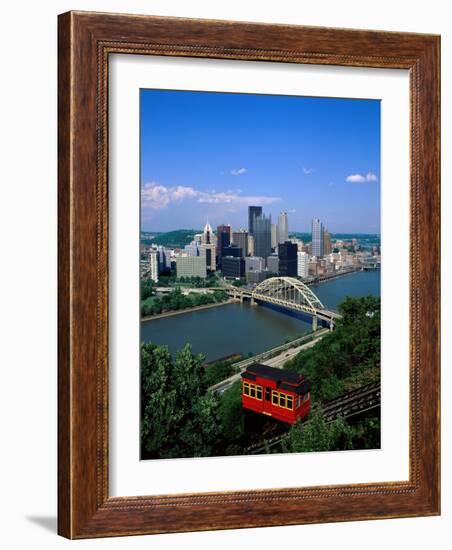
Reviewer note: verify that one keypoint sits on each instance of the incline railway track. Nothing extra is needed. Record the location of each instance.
(352, 403)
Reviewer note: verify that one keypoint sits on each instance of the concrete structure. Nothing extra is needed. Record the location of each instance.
(193, 249)
(317, 245)
(283, 227)
(253, 212)
(302, 264)
(208, 248)
(255, 277)
(253, 263)
(250, 245)
(274, 235)
(273, 264)
(154, 265)
(191, 266)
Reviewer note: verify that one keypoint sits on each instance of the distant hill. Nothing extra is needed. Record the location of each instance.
(171, 239)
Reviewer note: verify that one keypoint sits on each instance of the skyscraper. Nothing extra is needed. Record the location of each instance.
(208, 247)
(274, 235)
(283, 227)
(154, 265)
(317, 249)
(303, 265)
(262, 236)
(327, 248)
(223, 239)
(288, 260)
(240, 238)
(253, 213)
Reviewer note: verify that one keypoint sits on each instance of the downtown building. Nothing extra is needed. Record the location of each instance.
(288, 259)
(191, 266)
(302, 265)
(223, 239)
(232, 267)
(283, 228)
(317, 244)
(240, 238)
(253, 213)
(262, 236)
(154, 265)
(208, 247)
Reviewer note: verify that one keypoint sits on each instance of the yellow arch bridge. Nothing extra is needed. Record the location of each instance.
(287, 293)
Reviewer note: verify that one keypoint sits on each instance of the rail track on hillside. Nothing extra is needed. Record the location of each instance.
(348, 405)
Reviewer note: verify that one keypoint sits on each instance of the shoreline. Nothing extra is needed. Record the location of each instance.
(186, 310)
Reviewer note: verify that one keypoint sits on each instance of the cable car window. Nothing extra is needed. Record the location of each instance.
(246, 388)
(252, 391)
(268, 393)
(259, 392)
(275, 398)
(282, 400)
(289, 402)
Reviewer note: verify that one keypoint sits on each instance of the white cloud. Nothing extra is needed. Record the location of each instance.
(359, 178)
(307, 171)
(238, 171)
(157, 196)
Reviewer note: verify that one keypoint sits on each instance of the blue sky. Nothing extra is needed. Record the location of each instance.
(208, 155)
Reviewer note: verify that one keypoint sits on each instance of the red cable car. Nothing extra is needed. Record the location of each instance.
(274, 392)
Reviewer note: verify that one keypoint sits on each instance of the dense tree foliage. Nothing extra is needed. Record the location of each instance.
(317, 435)
(347, 358)
(147, 289)
(175, 300)
(178, 417)
(218, 371)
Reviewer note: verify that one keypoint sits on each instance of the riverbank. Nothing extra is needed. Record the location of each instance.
(186, 310)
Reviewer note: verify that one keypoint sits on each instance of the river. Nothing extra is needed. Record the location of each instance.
(242, 328)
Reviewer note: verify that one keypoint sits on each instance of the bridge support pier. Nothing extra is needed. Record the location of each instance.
(252, 302)
(314, 323)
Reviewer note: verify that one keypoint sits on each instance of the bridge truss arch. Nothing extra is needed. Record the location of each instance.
(288, 290)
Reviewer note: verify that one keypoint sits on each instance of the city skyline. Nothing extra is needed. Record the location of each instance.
(208, 156)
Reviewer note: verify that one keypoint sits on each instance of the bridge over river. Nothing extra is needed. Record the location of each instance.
(287, 293)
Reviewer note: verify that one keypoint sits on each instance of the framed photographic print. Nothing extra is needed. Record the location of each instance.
(248, 275)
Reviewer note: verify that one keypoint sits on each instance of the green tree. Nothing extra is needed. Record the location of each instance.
(178, 418)
(317, 435)
(232, 418)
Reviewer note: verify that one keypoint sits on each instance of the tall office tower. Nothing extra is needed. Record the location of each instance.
(274, 235)
(327, 248)
(208, 247)
(303, 264)
(288, 259)
(250, 245)
(317, 238)
(253, 213)
(283, 227)
(223, 239)
(154, 265)
(262, 236)
(240, 238)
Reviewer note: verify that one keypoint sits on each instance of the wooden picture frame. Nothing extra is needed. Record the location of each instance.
(86, 40)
